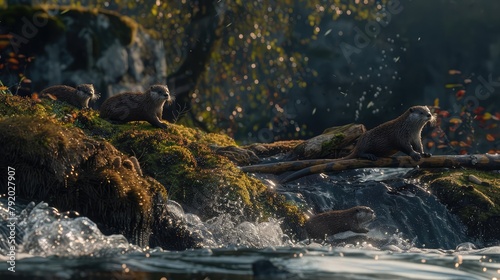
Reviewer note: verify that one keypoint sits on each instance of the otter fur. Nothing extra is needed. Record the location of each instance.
(78, 97)
(331, 222)
(401, 134)
(136, 106)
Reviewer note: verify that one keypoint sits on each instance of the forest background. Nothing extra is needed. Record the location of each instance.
(263, 71)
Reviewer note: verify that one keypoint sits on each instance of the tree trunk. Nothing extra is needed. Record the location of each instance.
(204, 32)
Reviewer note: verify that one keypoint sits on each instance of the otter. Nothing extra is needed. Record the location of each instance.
(78, 97)
(335, 221)
(401, 134)
(136, 106)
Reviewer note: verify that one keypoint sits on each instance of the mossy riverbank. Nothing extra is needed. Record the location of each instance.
(74, 160)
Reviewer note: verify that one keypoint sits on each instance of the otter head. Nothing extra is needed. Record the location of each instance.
(86, 91)
(364, 215)
(421, 115)
(160, 93)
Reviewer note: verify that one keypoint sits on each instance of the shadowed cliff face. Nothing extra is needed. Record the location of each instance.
(78, 46)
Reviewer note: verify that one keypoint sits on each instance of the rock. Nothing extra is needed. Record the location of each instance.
(475, 180)
(71, 171)
(272, 149)
(83, 163)
(478, 206)
(237, 155)
(114, 62)
(82, 45)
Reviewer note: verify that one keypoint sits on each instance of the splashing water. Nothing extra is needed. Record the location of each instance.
(234, 249)
(43, 231)
(226, 231)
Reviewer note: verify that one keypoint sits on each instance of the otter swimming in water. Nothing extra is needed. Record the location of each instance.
(335, 221)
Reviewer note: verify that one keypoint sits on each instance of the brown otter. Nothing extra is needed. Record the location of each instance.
(130, 106)
(335, 221)
(78, 97)
(401, 134)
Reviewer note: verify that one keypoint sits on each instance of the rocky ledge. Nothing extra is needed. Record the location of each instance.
(120, 176)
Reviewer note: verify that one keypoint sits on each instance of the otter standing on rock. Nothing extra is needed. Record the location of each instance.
(401, 134)
(335, 221)
(78, 97)
(129, 106)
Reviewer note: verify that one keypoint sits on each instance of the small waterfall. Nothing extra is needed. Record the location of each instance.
(41, 230)
(407, 217)
(402, 207)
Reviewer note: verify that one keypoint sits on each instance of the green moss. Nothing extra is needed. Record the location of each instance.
(332, 143)
(183, 161)
(477, 205)
(62, 166)
(14, 105)
(56, 136)
(217, 139)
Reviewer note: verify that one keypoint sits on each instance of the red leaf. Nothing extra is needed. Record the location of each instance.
(460, 94)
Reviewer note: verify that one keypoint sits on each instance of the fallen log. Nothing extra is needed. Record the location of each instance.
(284, 166)
(334, 142)
(477, 161)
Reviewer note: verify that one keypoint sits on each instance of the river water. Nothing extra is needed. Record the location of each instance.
(413, 237)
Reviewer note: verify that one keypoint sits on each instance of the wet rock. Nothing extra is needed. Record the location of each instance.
(71, 171)
(106, 171)
(264, 150)
(88, 46)
(477, 206)
(237, 155)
